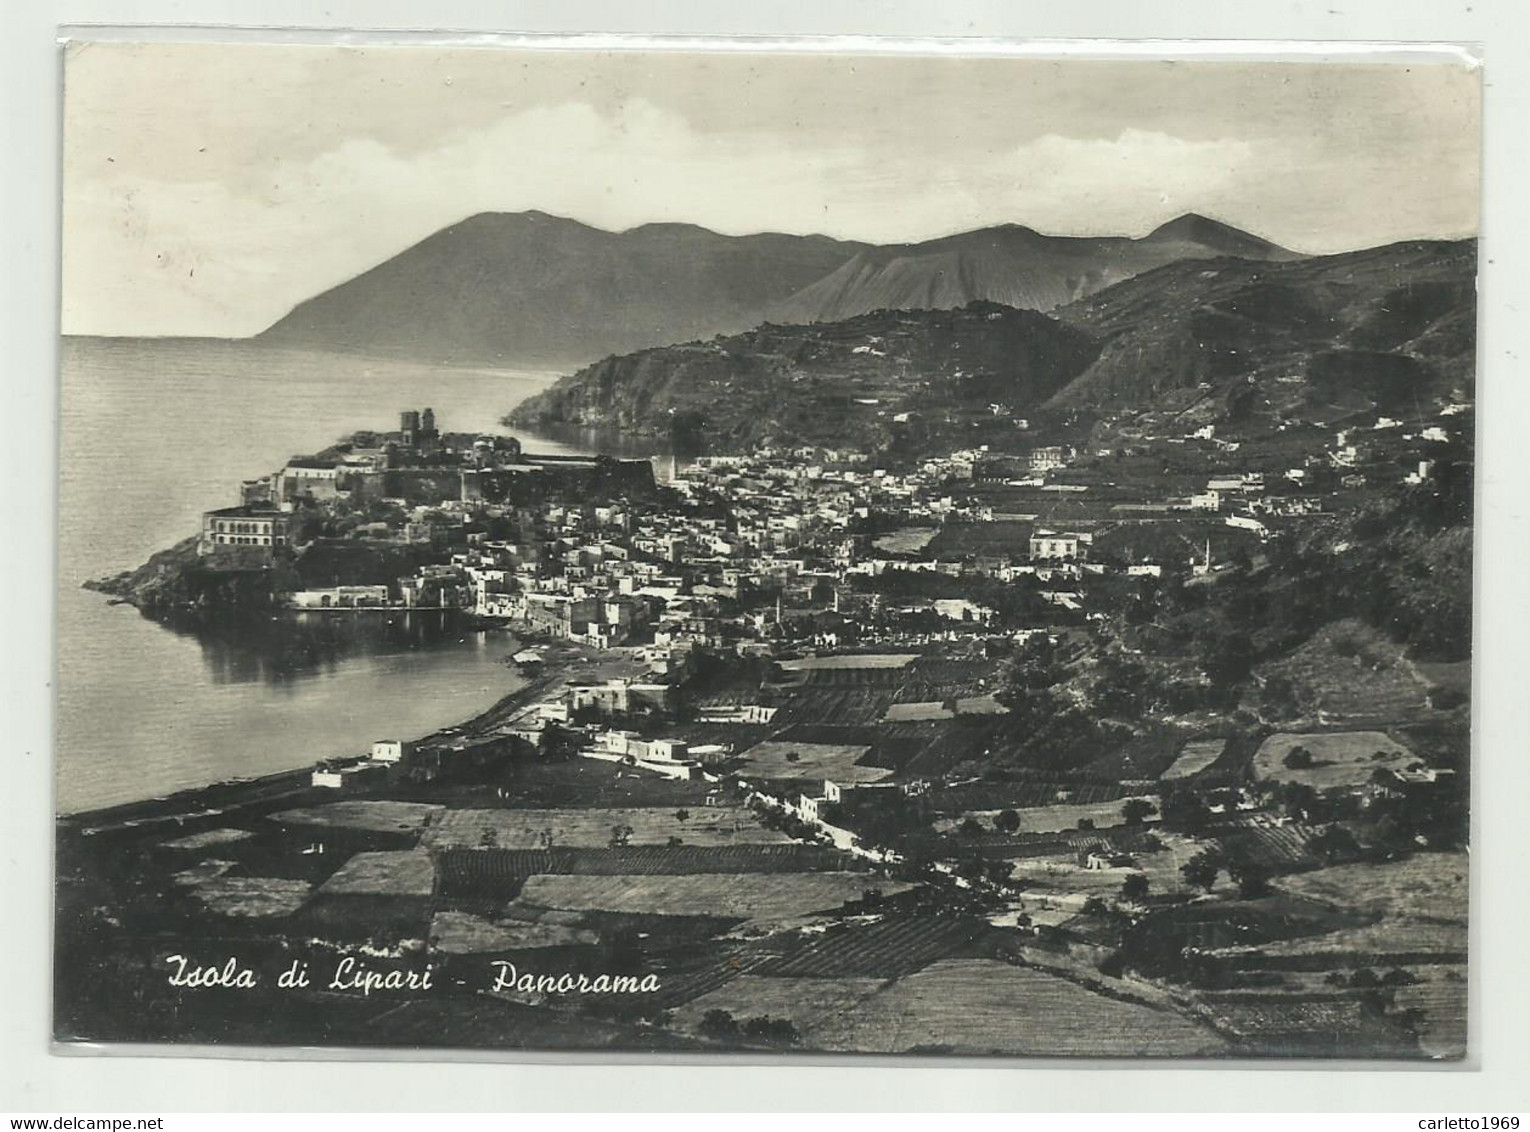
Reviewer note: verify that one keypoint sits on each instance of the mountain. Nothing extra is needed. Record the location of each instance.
(533, 288)
(1387, 330)
(1012, 265)
(512, 288)
(1380, 327)
(865, 382)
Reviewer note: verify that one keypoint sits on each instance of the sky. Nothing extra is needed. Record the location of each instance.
(208, 188)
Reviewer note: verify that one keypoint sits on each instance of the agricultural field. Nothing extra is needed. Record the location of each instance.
(202, 872)
(499, 873)
(595, 827)
(849, 660)
(253, 897)
(460, 933)
(1030, 792)
(1010, 538)
(840, 706)
(934, 748)
(744, 896)
(554, 783)
(982, 1006)
(905, 540)
(942, 678)
(818, 679)
(209, 838)
(1263, 842)
(1440, 996)
(1426, 885)
(804, 1002)
(1290, 1023)
(1341, 758)
(926, 712)
(1052, 819)
(1194, 757)
(409, 872)
(884, 949)
(365, 814)
(777, 759)
(1050, 875)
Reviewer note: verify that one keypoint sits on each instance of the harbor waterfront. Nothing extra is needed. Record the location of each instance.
(144, 710)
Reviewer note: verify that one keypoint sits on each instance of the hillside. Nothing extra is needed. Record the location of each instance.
(1012, 265)
(1387, 330)
(840, 384)
(528, 287)
(511, 288)
(1383, 326)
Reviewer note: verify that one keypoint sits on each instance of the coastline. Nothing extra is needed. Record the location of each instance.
(226, 797)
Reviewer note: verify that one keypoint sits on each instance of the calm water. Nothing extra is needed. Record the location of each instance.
(154, 433)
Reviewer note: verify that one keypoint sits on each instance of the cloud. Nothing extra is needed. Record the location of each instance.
(149, 257)
(174, 228)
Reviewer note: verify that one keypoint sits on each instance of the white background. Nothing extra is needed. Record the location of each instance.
(34, 1080)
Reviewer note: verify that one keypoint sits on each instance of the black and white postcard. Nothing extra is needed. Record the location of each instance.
(688, 551)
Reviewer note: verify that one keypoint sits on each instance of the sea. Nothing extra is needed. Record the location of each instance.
(152, 433)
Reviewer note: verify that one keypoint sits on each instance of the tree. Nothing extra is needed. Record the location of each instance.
(1252, 879)
(1298, 758)
(1202, 869)
(1135, 888)
(719, 1025)
(1136, 810)
(620, 836)
(775, 1031)
(1279, 697)
(970, 827)
(1006, 821)
(1184, 810)
(1335, 843)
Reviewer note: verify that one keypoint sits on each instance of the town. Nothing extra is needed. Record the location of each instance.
(828, 739)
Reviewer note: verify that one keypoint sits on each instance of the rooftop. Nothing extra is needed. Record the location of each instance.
(248, 511)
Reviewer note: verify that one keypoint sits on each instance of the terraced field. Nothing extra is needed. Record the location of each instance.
(850, 660)
(854, 705)
(1194, 757)
(596, 827)
(982, 1006)
(1275, 846)
(747, 896)
(500, 873)
(886, 949)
